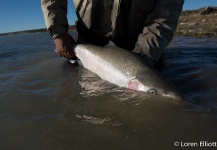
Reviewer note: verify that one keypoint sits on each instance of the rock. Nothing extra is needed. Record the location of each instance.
(193, 24)
(204, 20)
(208, 10)
(183, 23)
(183, 31)
(191, 31)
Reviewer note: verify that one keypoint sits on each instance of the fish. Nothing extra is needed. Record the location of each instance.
(125, 69)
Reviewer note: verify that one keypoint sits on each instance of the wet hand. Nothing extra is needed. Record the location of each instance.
(64, 43)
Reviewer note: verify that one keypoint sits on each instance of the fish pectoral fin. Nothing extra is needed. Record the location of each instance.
(133, 84)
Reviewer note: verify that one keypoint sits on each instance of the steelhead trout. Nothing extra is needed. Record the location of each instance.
(125, 69)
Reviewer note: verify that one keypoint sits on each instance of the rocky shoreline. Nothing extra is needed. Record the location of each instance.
(198, 23)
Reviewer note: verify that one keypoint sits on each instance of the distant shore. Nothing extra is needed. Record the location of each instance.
(71, 28)
(198, 23)
(26, 31)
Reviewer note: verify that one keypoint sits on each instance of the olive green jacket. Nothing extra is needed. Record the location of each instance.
(150, 24)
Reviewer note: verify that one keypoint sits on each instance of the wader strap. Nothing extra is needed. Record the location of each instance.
(84, 9)
(115, 12)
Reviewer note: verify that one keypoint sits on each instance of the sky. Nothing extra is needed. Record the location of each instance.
(27, 14)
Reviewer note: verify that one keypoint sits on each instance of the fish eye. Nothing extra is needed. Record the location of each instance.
(152, 91)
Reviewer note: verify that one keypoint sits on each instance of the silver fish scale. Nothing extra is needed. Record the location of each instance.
(122, 60)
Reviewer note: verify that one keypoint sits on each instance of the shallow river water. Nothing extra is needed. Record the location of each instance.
(46, 103)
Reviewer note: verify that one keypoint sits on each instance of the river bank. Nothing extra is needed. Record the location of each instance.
(198, 23)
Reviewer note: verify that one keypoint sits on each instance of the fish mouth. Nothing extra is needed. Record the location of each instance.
(175, 96)
(173, 93)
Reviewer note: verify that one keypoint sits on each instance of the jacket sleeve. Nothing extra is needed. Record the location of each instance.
(55, 15)
(159, 28)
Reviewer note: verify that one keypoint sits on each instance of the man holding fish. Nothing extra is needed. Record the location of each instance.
(142, 26)
(140, 29)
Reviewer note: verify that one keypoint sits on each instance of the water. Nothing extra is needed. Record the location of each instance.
(46, 103)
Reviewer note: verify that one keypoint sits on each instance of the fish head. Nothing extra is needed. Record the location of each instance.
(155, 84)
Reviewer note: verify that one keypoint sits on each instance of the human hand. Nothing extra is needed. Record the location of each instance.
(64, 43)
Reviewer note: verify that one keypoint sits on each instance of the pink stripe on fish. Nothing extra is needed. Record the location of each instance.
(133, 84)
